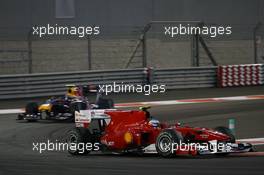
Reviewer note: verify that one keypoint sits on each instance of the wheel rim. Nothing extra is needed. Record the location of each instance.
(72, 139)
(165, 144)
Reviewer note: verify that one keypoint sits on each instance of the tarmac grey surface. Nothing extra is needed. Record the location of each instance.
(17, 156)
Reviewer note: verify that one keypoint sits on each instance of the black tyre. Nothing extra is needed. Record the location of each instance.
(56, 109)
(32, 108)
(76, 106)
(20, 116)
(77, 139)
(165, 142)
(227, 132)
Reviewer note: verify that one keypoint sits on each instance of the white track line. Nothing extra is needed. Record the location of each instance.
(253, 141)
(191, 101)
(11, 111)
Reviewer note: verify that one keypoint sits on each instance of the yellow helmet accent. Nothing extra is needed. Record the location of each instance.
(73, 92)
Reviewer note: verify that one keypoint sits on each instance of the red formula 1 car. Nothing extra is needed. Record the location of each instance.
(135, 131)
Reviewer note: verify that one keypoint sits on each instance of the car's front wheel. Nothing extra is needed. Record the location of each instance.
(166, 142)
(227, 132)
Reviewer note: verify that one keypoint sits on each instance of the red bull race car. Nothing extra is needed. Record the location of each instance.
(64, 107)
(136, 131)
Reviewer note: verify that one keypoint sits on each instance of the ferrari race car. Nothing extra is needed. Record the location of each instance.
(136, 131)
(63, 108)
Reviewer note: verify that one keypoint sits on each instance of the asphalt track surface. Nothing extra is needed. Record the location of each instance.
(16, 138)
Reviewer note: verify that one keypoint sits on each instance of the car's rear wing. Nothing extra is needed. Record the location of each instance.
(84, 117)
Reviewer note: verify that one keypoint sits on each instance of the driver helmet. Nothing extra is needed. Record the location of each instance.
(154, 123)
(73, 92)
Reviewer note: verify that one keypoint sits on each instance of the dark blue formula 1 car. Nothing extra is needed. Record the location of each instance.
(63, 108)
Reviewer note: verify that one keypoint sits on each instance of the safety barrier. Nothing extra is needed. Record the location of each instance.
(52, 84)
(197, 77)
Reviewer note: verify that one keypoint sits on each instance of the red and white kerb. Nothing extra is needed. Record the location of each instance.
(240, 75)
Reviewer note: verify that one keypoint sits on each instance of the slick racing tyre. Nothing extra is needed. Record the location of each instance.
(32, 108)
(227, 132)
(55, 110)
(165, 142)
(77, 139)
(77, 106)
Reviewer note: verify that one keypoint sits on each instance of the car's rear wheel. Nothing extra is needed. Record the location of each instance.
(76, 106)
(77, 139)
(166, 142)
